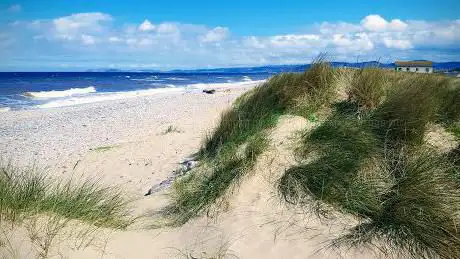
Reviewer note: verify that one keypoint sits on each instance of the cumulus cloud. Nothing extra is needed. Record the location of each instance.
(15, 8)
(397, 44)
(146, 26)
(77, 26)
(87, 39)
(294, 40)
(377, 23)
(176, 44)
(167, 28)
(215, 35)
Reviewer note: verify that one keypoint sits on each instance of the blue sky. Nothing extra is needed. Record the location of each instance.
(81, 34)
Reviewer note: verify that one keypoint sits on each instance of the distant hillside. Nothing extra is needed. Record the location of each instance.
(274, 69)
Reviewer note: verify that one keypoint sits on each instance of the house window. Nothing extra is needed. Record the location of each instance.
(407, 69)
(427, 70)
(416, 69)
(399, 68)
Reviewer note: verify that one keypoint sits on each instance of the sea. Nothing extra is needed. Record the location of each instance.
(41, 90)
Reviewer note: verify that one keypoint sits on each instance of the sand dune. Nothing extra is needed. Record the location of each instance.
(126, 145)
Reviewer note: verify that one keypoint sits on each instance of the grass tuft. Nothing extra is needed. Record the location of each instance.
(413, 103)
(28, 192)
(196, 193)
(171, 129)
(368, 87)
(419, 213)
(343, 145)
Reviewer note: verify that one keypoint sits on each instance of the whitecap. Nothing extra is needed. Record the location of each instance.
(62, 93)
(226, 85)
(177, 78)
(101, 97)
(247, 78)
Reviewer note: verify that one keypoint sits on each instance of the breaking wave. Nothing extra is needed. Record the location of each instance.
(106, 97)
(63, 93)
(4, 109)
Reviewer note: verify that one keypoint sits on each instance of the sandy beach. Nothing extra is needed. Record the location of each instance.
(126, 144)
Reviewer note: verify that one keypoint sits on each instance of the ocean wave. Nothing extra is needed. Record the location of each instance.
(63, 93)
(247, 78)
(4, 109)
(163, 85)
(148, 79)
(225, 85)
(101, 97)
(177, 78)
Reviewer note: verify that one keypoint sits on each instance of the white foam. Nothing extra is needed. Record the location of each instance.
(226, 85)
(63, 93)
(247, 78)
(101, 97)
(148, 79)
(176, 78)
(5, 109)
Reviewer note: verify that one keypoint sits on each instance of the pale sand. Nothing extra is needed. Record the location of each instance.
(253, 222)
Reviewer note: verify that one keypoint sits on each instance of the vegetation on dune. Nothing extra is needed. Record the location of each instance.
(418, 216)
(411, 105)
(367, 158)
(28, 192)
(371, 163)
(368, 88)
(343, 145)
(241, 136)
(197, 192)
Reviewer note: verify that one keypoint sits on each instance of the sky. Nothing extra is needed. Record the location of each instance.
(60, 35)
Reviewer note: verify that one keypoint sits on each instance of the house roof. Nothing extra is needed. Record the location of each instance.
(414, 63)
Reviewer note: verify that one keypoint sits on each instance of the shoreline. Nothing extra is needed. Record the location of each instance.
(80, 96)
(58, 138)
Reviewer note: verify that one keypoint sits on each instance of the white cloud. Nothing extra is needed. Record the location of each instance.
(397, 44)
(352, 43)
(376, 23)
(293, 40)
(87, 39)
(79, 26)
(216, 34)
(397, 25)
(167, 28)
(146, 26)
(114, 39)
(174, 44)
(80, 21)
(15, 8)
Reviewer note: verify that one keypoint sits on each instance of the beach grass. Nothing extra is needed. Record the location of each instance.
(366, 157)
(197, 192)
(412, 103)
(342, 146)
(171, 129)
(28, 192)
(418, 216)
(232, 149)
(104, 148)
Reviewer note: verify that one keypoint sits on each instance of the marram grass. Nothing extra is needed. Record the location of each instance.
(367, 159)
(28, 192)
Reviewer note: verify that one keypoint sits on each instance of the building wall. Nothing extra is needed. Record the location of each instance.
(415, 69)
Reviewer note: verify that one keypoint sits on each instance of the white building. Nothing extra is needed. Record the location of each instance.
(414, 66)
